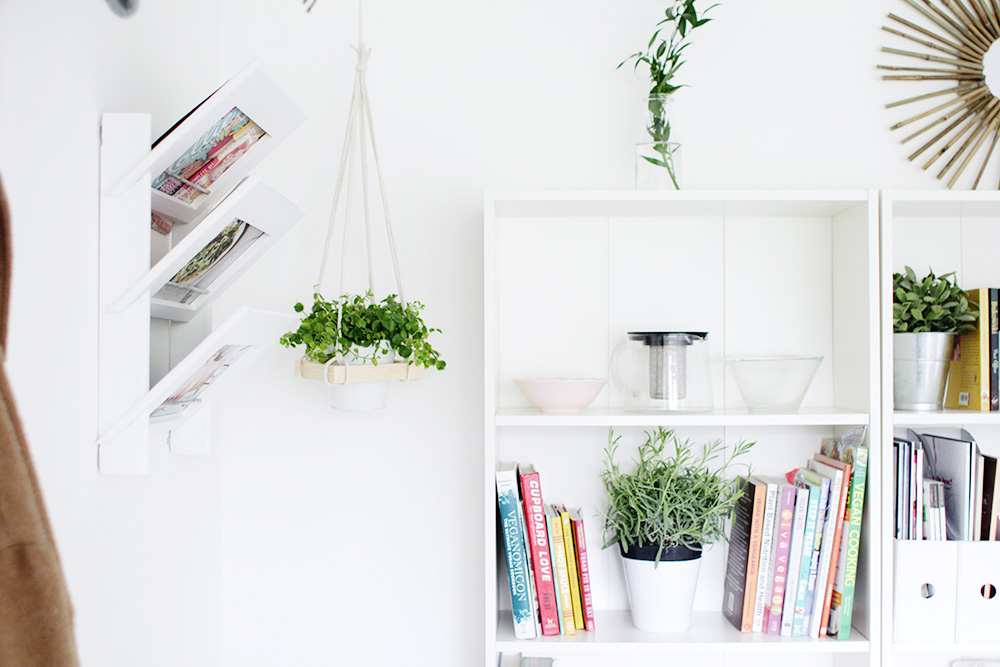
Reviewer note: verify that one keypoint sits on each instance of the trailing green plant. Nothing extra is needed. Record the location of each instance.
(932, 303)
(382, 327)
(667, 500)
(663, 57)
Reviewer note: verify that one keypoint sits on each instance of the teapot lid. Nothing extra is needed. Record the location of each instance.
(661, 338)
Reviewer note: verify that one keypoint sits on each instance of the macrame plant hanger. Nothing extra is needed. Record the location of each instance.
(360, 131)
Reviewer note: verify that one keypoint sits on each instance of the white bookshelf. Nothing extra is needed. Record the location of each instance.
(946, 231)
(567, 274)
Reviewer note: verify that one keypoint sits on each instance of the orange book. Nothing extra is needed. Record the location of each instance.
(838, 531)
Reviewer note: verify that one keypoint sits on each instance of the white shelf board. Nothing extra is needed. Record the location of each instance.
(710, 633)
(728, 417)
(944, 202)
(686, 203)
(946, 418)
(946, 647)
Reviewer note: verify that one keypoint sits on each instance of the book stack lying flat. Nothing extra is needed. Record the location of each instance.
(945, 488)
(793, 548)
(546, 554)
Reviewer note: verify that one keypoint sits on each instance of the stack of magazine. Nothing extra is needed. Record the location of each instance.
(945, 488)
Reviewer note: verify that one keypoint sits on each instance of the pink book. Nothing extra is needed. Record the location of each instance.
(783, 542)
(541, 560)
(583, 568)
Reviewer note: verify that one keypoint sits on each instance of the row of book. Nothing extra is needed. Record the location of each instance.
(974, 373)
(794, 545)
(546, 554)
(945, 488)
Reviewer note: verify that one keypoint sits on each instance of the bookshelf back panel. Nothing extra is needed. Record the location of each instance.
(570, 288)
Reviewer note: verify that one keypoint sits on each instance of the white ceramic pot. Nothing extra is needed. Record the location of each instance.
(360, 396)
(661, 596)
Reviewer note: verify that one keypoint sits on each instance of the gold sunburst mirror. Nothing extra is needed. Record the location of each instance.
(953, 38)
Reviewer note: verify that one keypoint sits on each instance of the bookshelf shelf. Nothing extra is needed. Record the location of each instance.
(730, 417)
(709, 633)
(568, 274)
(955, 418)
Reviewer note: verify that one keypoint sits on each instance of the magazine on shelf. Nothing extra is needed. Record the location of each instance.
(953, 462)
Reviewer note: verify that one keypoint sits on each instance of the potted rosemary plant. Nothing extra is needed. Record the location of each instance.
(657, 155)
(927, 315)
(662, 514)
(356, 329)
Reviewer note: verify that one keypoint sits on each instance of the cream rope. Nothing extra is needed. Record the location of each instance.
(359, 122)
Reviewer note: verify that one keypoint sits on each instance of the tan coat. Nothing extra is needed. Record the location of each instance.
(36, 619)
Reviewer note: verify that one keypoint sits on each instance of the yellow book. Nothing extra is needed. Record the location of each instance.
(574, 577)
(969, 374)
(562, 571)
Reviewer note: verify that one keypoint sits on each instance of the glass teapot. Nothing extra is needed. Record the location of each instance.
(664, 371)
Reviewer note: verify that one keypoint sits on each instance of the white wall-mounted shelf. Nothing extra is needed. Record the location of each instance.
(156, 376)
(567, 274)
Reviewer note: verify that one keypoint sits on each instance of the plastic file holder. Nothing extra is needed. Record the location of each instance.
(925, 590)
(978, 592)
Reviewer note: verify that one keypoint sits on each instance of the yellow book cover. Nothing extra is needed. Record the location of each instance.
(574, 577)
(969, 375)
(562, 571)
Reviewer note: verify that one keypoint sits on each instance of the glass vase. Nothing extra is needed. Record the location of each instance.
(657, 158)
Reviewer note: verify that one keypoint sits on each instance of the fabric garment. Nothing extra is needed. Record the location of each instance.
(36, 618)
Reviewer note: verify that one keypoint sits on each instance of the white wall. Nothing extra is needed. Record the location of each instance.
(311, 537)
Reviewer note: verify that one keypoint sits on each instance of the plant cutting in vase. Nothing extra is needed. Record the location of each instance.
(357, 329)
(663, 58)
(927, 316)
(662, 514)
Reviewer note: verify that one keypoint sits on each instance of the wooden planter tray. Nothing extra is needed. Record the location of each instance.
(336, 374)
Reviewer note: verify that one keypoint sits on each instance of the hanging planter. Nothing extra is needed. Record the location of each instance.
(355, 344)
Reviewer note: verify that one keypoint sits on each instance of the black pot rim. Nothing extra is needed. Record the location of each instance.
(676, 553)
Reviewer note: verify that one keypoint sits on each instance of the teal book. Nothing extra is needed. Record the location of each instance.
(511, 519)
(810, 552)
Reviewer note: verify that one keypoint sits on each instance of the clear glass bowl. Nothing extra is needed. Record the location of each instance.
(776, 383)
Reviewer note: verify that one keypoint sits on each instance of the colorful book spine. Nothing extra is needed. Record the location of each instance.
(555, 574)
(969, 373)
(783, 545)
(807, 590)
(534, 512)
(583, 567)
(562, 569)
(841, 518)
(842, 606)
(574, 576)
(994, 348)
(831, 530)
(766, 543)
(517, 561)
(753, 562)
(795, 560)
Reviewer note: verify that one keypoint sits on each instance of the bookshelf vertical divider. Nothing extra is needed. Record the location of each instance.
(566, 274)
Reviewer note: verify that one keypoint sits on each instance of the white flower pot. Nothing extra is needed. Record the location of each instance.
(661, 596)
(360, 396)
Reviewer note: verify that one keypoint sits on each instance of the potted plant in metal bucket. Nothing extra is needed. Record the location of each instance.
(356, 329)
(927, 316)
(662, 514)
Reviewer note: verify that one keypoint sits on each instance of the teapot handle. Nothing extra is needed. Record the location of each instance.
(615, 356)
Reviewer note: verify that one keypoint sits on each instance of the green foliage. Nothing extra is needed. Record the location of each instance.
(662, 57)
(384, 326)
(663, 53)
(933, 303)
(670, 500)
